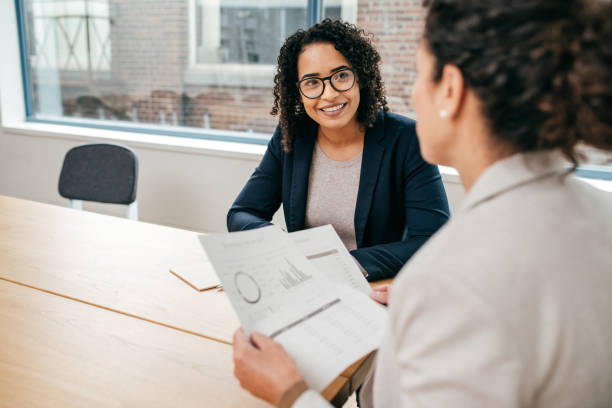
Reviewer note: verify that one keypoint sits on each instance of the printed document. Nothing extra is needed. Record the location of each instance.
(324, 248)
(325, 326)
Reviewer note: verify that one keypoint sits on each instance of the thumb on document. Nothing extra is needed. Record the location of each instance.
(262, 341)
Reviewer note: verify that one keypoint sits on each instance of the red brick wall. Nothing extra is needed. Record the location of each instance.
(397, 27)
(150, 40)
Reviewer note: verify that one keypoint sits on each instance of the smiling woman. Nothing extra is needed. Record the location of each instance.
(338, 157)
(333, 108)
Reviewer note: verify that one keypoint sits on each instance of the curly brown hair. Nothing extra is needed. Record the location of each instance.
(356, 46)
(540, 68)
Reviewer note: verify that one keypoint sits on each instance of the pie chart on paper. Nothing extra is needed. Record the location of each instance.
(247, 287)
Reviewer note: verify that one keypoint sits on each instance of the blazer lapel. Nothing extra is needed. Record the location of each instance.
(302, 158)
(370, 166)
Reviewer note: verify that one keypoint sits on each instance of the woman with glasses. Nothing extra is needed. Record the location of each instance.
(509, 304)
(338, 157)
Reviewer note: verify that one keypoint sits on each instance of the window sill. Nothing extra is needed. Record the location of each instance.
(159, 142)
(139, 140)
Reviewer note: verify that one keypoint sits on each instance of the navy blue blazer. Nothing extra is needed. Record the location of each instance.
(401, 200)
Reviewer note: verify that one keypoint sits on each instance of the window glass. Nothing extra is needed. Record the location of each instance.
(244, 31)
(333, 9)
(174, 63)
(71, 35)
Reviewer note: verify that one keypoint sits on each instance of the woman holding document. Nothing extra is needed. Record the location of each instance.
(338, 157)
(508, 304)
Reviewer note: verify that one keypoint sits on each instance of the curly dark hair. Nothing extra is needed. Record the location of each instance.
(540, 68)
(356, 46)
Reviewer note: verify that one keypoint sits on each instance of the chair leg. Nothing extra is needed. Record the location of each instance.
(76, 204)
(132, 211)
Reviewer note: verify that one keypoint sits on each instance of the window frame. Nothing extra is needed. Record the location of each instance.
(25, 77)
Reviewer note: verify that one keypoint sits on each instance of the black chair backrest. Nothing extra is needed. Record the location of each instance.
(102, 172)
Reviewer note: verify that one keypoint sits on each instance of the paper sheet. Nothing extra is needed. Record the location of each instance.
(199, 275)
(323, 247)
(275, 290)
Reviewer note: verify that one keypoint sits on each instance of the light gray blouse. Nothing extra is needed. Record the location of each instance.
(332, 194)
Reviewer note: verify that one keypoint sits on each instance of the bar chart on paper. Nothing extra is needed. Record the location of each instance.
(292, 276)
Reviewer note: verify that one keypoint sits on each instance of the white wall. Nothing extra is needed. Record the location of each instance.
(181, 189)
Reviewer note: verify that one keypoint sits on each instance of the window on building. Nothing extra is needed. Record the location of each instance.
(243, 31)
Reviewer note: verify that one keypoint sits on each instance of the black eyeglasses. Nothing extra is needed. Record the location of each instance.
(341, 81)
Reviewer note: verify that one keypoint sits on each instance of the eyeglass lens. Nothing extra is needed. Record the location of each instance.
(341, 81)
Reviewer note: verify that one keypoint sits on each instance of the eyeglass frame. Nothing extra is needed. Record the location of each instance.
(327, 78)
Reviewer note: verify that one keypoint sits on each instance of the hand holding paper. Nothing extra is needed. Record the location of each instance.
(264, 367)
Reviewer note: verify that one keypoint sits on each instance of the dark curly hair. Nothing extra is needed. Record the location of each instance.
(541, 69)
(356, 46)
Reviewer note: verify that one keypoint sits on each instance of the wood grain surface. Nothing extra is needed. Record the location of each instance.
(55, 352)
(115, 263)
(91, 316)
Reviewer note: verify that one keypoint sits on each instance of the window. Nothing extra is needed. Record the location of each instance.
(188, 67)
(69, 36)
(235, 43)
(198, 68)
(244, 32)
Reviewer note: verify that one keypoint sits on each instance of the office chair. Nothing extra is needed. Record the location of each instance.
(102, 172)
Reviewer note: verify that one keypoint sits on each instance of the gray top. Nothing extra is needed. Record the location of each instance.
(332, 194)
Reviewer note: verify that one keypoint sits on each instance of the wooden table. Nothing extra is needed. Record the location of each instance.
(91, 316)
